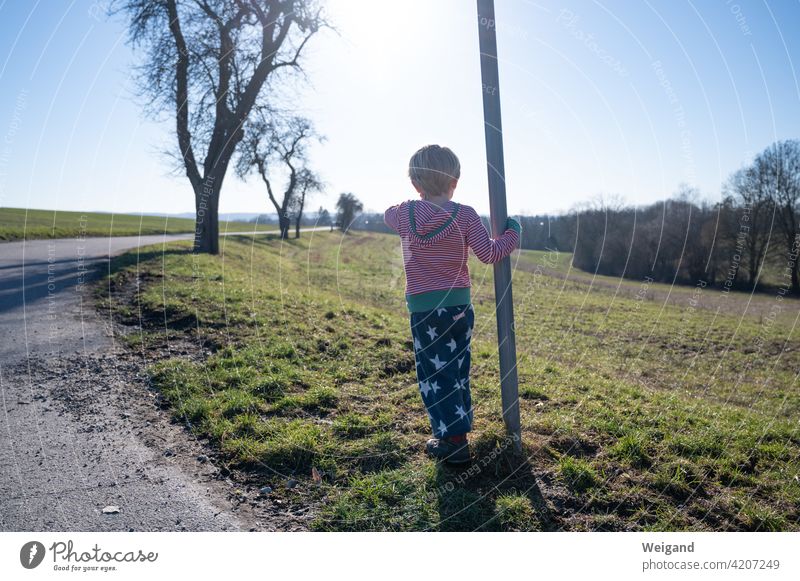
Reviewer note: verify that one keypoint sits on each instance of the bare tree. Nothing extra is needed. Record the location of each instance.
(324, 218)
(272, 141)
(308, 183)
(208, 61)
(756, 209)
(347, 208)
(779, 168)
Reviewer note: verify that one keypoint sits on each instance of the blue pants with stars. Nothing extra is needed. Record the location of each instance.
(442, 351)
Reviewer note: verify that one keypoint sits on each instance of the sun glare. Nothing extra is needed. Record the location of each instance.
(384, 34)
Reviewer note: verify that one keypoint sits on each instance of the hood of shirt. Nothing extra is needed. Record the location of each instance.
(430, 222)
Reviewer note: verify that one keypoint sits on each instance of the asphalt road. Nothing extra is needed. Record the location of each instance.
(79, 431)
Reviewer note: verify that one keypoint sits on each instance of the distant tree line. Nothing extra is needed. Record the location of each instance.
(754, 228)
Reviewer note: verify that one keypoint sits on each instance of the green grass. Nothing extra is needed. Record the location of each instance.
(579, 474)
(515, 512)
(19, 224)
(294, 358)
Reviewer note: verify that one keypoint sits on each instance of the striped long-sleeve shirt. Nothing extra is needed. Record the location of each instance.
(435, 241)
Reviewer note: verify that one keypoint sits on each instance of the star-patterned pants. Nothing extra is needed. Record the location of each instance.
(442, 350)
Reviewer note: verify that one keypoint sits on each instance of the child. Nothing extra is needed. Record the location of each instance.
(436, 233)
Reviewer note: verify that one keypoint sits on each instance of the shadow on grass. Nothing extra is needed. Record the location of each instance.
(265, 239)
(120, 287)
(132, 257)
(497, 491)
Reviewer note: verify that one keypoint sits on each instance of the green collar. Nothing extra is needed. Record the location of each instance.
(439, 229)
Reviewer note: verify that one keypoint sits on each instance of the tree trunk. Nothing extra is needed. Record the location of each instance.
(206, 235)
(284, 223)
(299, 215)
(752, 265)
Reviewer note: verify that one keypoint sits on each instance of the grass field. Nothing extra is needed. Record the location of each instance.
(19, 224)
(560, 263)
(294, 359)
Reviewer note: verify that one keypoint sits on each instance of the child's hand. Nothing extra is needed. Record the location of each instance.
(512, 224)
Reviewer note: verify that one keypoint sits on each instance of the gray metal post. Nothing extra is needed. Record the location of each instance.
(493, 128)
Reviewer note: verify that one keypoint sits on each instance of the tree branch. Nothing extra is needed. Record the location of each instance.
(182, 96)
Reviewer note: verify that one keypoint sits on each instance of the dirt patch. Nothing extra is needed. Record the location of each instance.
(118, 405)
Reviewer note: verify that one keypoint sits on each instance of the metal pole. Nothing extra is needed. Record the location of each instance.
(490, 84)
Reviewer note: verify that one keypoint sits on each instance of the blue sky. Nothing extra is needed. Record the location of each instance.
(614, 98)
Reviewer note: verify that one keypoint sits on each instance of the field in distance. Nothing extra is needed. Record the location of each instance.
(22, 224)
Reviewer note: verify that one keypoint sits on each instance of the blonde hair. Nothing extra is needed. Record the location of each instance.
(432, 167)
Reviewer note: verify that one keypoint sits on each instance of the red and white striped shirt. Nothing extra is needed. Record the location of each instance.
(436, 239)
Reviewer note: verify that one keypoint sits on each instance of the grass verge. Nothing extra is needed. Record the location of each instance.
(294, 359)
